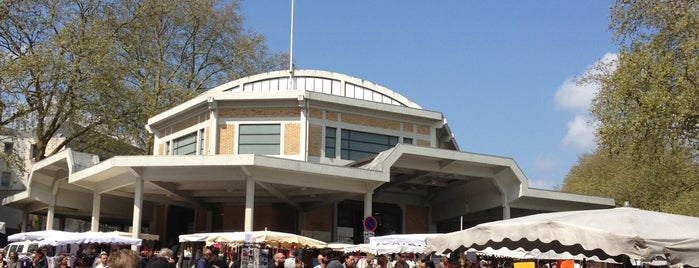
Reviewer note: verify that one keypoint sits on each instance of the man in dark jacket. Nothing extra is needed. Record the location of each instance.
(163, 260)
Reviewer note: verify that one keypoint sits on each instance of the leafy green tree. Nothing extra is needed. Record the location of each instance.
(172, 50)
(648, 110)
(90, 69)
(55, 70)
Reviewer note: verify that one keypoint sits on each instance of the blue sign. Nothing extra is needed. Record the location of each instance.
(370, 223)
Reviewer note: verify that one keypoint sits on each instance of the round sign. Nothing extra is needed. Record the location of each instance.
(370, 223)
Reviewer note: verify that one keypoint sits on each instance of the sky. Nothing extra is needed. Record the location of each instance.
(503, 73)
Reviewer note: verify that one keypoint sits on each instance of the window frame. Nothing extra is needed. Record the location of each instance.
(260, 138)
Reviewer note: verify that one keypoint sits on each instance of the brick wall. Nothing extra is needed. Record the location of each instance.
(292, 138)
(226, 135)
(416, 219)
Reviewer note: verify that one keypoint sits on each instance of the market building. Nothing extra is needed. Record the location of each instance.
(312, 152)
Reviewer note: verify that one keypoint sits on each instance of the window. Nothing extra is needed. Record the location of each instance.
(186, 145)
(8, 148)
(259, 139)
(330, 140)
(5, 179)
(191, 144)
(357, 145)
(407, 140)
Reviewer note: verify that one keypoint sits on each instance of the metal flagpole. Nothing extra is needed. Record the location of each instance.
(291, 49)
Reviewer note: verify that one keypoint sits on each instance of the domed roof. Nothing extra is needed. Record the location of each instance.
(317, 81)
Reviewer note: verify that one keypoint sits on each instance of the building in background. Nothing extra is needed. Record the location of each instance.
(313, 154)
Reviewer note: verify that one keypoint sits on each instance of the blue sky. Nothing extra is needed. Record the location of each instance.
(502, 72)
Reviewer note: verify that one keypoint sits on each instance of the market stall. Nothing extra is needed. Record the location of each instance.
(616, 233)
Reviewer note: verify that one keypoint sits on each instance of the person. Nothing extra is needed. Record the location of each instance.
(444, 263)
(3, 263)
(216, 261)
(382, 262)
(162, 260)
(298, 263)
(40, 260)
(204, 262)
(62, 261)
(101, 260)
(426, 263)
(290, 261)
(322, 258)
(349, 260)
(13, 260)
(278, 260)
(401, 262)
(124, 258)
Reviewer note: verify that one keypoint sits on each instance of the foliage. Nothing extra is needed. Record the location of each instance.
(89, 69)
(647, 110)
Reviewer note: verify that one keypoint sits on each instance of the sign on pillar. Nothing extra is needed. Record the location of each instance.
(370, 225)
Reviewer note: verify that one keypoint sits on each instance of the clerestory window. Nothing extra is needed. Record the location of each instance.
(263, 139)
(356, 145)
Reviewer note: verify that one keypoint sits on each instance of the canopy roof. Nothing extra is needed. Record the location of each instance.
(284, 240)
(602, 233)
(57, 238)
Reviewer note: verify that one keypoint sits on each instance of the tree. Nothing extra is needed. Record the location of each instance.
(173, 50)
(79, 67)
(647, 110)
(55, 70)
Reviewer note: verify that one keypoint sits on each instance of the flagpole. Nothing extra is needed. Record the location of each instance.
(291, 43)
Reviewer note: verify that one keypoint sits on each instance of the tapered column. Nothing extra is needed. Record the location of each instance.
(368, 198)
(96, 203)
(249, 203)
(137, 213)
(50, 213)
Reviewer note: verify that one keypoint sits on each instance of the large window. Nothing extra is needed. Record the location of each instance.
(259, 139)
(357, 145)
(330, 140)
(188, 145)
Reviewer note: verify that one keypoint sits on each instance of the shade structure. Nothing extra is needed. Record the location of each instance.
(89, 237)
(37, 235)
(602, 233)
(417, 240)
(277, 239)
(140, 236)
(382, 249)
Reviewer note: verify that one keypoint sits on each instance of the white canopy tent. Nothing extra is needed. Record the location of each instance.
(382, 249)
(37, 235)
(601, 233)
(285, 240)
(89, 237)
(416, 240)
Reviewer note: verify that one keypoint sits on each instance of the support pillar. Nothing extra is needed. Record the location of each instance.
(96, 208)
(368, 198)
(249, 203)
(505, 212)
(50, 213)
(137, 213)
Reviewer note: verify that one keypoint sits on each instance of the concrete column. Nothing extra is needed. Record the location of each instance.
(137, 213)
(213, 127)
(96, 208)
(505, 212)
(368, 198)
(249, 203)
(23, 224)
(50, 213)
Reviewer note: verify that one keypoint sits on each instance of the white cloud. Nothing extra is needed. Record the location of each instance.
(576, 98)
(581, 134)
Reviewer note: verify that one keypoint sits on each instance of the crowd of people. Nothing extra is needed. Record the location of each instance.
(105, 256)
